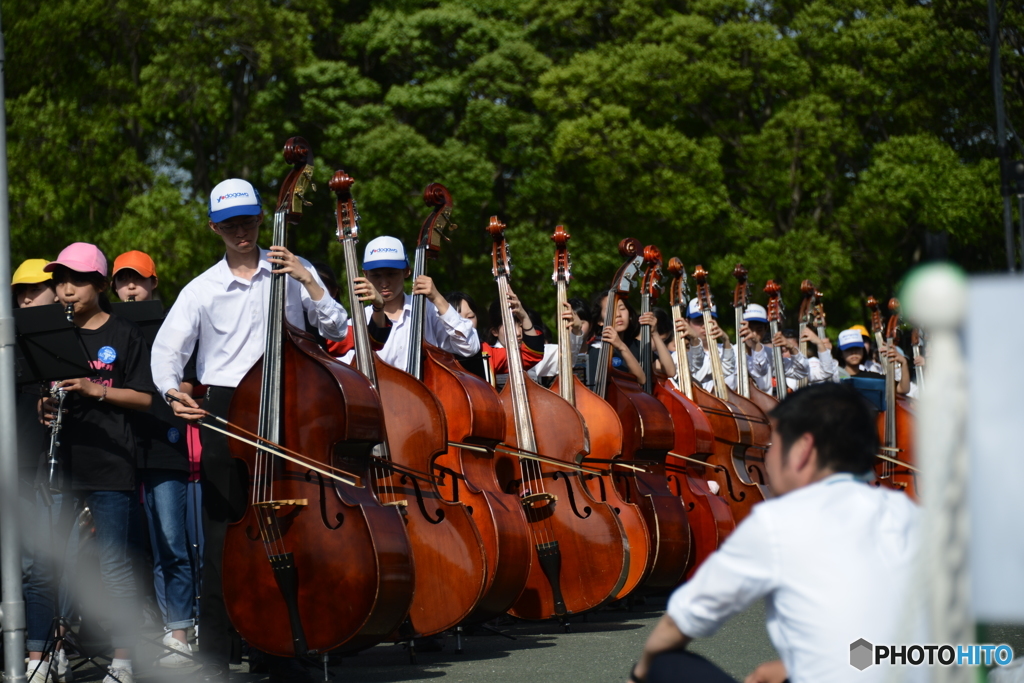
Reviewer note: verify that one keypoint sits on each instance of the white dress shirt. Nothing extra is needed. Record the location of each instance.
(826, 370)
(700, 366)
(228, 314)
(450, 331)
(548, 366)
(820, 555)
(760, 367)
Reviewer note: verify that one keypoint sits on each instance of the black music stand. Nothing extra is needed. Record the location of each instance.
(49, 347)
(148, 315)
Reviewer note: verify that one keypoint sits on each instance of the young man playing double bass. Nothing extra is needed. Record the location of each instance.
(818, 553)
(225, 309)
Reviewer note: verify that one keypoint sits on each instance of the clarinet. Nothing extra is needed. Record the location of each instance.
(58, 394)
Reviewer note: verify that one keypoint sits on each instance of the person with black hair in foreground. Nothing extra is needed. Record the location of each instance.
(818, 553)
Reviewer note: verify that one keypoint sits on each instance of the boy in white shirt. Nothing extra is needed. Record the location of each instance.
(385, 270)
(225, 309)
(753, 331)
(693, 329)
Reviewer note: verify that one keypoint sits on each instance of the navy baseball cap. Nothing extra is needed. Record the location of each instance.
(234, 197)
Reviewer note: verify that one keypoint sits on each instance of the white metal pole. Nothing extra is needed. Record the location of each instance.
(13, 605)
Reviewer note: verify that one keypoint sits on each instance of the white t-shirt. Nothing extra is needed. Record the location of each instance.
(833, 560)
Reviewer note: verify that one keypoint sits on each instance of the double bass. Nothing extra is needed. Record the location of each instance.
(808, 301)
(476, 425)
(742, 432)
(302, 531)
(647, 436)
(580, 557)
(896, 422)
(708, 514)
(450, 566)
(605, 431)
(745, 386)
(776, 312)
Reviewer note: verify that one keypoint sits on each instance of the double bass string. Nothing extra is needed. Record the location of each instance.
(531, 470)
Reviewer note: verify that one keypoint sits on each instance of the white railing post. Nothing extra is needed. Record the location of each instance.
(935, 297)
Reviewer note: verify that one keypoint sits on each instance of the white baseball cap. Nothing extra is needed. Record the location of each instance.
(234, 197)
(755, 313)
(385, 252)
(849, 339)
(693, 311)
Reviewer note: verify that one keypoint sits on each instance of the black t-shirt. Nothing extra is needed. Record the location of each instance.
(594, 357)
(160, 438)
(33, 437)
(160, 435)
(98, 441)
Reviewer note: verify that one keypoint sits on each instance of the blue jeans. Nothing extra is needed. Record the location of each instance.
(173, 578)
(44, 541)
(113, 518)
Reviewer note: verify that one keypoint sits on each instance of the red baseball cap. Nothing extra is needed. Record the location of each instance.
(139, 261)
(82, 257)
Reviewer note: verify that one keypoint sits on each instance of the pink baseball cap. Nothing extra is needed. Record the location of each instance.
(82, 257)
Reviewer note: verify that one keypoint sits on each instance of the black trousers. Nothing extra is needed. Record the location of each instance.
(224, 498)
(680, 665)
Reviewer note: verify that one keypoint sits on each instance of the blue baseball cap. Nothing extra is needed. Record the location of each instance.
(385, 252)
(850, 339)
(755, 313)
(234, 197)
(693, 310)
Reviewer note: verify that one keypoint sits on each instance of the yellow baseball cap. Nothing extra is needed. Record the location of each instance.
(31, 272)
(863, 330)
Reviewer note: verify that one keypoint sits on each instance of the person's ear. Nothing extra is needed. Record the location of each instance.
(804, 454)
(213, 227)
(408, 273)
(156, 282)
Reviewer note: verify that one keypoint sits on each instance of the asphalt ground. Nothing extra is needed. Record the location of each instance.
(599, 647)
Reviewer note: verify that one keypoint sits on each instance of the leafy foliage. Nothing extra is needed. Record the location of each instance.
(822, 139)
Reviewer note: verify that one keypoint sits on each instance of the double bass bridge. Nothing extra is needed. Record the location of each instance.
(270, 523)
(537, 500)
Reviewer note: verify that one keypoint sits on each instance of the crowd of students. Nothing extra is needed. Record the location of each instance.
(130, 462)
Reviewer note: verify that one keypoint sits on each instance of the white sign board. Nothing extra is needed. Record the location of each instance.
(995, 438)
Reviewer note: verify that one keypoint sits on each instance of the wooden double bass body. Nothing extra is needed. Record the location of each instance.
(475, 418)
(447, 551)
(301, 531)
(896, 422)
(340, 536)
(896, 434)
(605, 430)
(710, 517)
(742, 433)
(580, 556)
(647, 436)
(450, 566)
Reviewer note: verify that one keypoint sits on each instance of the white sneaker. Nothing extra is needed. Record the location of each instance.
(119, 676)
(37, 671)
(177, 659)
(65, 674)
